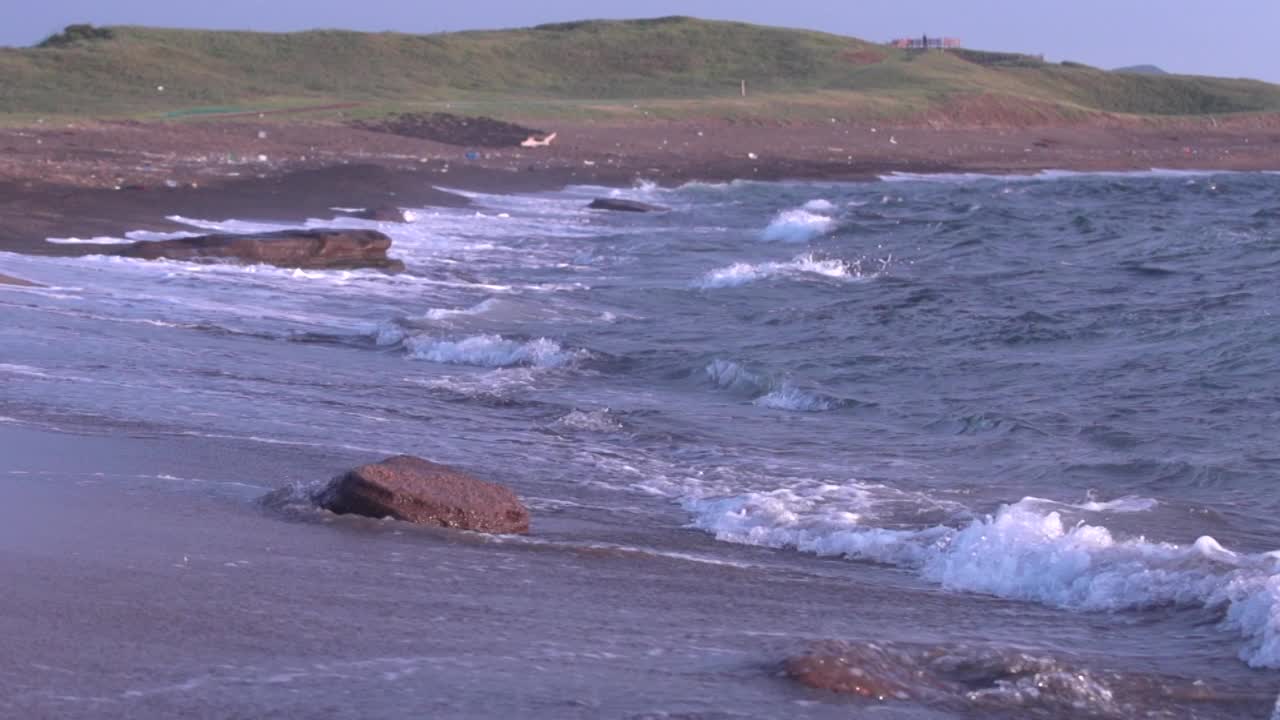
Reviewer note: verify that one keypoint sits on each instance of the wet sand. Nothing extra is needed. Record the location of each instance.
(151, 583)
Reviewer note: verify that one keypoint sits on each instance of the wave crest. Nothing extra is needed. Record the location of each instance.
(490, 351)
(1022, 553)
(798, 225)
(767, 392)
(739, 274)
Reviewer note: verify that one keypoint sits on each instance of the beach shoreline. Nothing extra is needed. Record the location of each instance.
(91, 179)
(705, 424)
(156, 551)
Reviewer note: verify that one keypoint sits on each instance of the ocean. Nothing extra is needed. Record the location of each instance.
(1026, 422)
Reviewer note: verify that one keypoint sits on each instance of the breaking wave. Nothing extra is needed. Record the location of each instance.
(795, 399)
(490, 351)
(797, 226)
(739, 274)
(479, 308)
(1023, 553)
(766, 391)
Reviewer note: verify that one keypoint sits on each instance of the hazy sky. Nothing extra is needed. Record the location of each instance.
(1234, 38)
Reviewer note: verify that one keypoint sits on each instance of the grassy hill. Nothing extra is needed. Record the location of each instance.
(673, 66)
(1141, 70)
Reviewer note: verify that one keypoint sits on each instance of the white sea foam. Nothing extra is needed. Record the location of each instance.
(490, 351)
(150, 235)
(129, 238)
(478, 309)
(229, 226)
(703, 185)
(732, 276)
(1126, 504)
(500, 384)
(1047, 175)
(100, 240)
(24, 370)
(591, 420)
(819, 205)
(952, 177)
(798, 225)
(1024, 553)
(739, 274)
(795, 399)
(646, 186)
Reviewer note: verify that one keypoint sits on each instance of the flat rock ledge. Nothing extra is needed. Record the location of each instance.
(621, 205)
(414, 490)
(19, 282)
(305, 249)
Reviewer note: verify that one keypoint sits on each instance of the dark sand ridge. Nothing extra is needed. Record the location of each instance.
(62, 182)
(8, 280)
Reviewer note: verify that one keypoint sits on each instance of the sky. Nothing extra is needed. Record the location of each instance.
(1232, 38)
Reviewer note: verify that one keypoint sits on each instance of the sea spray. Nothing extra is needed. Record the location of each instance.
(797, 226)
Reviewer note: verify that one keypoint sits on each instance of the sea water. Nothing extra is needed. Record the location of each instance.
(1059, 393)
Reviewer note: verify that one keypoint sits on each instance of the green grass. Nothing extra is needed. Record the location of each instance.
(668, 67)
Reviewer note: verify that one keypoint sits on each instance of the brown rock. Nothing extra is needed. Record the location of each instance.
(9, 280)
(417, 491)
(310, 249)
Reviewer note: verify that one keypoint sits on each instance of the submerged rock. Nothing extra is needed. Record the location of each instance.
(418, 491)
(10, 280)
(382, 214)
(984, 681)
(849, 671)
(309, 249)
(621, 205)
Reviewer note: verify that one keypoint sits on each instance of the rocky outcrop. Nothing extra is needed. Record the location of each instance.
(9, 280)
(308, 249)
(454, 129)
(418, 491)
(621, 205)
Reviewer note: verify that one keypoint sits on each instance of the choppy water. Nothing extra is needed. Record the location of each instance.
(1062, 391)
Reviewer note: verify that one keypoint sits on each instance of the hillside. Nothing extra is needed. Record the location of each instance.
(674, 66)
(1142, 70)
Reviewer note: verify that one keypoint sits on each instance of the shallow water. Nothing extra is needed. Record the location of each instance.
(1040, 411)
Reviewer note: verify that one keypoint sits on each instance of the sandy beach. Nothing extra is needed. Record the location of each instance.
(885, 412)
